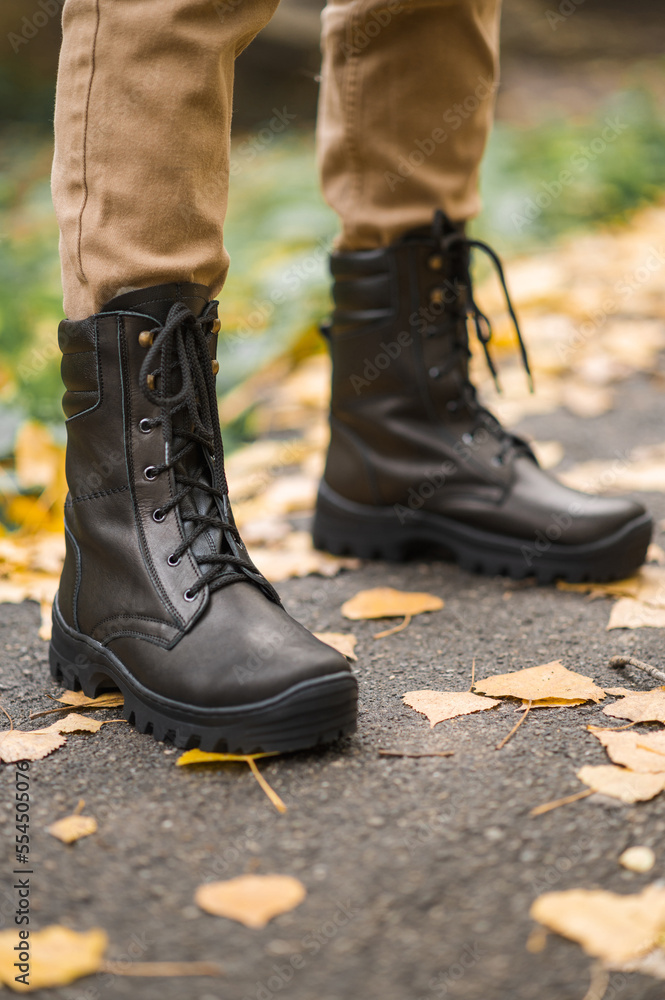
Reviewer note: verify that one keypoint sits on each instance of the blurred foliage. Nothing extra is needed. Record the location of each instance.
(278, 232)
(523, 168)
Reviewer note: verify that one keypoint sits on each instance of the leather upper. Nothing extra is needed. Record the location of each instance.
(119, 585)
(406, 428)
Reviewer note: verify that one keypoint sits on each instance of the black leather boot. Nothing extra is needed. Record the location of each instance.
(158, 594)
(416, 464)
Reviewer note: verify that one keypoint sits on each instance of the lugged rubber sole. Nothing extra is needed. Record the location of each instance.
(343, 527)
(314, 712)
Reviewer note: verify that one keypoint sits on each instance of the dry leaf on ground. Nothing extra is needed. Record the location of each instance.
(252, 900)
(58, 956)
(548, 453)
(112, 699)
(644, 471)
(652, 964)
(543, 683)
(631, 613)
(613, 588)
(384, 602)
(608, 926)
(441, 705)
(35, 744)
(343, 642)
(655, 554)
(621, 783)
(296, 556)
(76, 723)
(72, 828)
(555, 702)
(642, 752)
(640, 706)
(205, 757)
(638, 859)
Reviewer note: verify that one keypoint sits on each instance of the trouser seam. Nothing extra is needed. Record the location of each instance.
(84, 202)
(351, 95)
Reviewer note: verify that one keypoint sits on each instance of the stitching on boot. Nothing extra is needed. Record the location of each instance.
(100, 380)
(123, 363)
(93, 496)
(77, 584)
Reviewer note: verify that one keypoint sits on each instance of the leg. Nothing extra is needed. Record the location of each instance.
(158, 595)
(406, 107)
(142, 122)
(415, 461)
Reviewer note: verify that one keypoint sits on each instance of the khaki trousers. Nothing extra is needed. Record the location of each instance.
(143, 119)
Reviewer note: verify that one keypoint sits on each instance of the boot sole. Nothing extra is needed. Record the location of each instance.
(311, 713)
(343, 527)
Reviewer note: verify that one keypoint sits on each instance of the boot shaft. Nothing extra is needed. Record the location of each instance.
(399, 325)
(113, 513)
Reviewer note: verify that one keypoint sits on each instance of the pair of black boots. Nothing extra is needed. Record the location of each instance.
(159, 596)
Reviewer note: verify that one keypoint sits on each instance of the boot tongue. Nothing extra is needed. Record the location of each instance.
(157, 300)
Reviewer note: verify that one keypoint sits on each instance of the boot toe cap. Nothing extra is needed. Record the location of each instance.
(243, 650)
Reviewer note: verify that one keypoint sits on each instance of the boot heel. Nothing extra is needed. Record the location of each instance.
(345, 532)
(73, 663)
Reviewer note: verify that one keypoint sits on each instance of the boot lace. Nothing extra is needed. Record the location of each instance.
(176, 376)
(482, 326)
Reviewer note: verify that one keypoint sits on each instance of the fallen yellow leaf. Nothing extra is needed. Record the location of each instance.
(252, 900)
(37, 458)
(441, 705)
(608, 926)
(613, 588)
(384, 602)
(112, 699)
(640, 706)
(535, 684)
(58, 956)
(19, 744)
(620, 783)
(296, 556)
(46, 623)
(643, 752)
(71, 828)
(343, 642)
(76, 723)
(631, 613)
(555, 702)
(205, 757)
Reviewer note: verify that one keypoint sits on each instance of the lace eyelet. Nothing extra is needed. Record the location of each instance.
(434, 373)
(497, 460)
(145, 426)
(436, 296)
(189, 596)
(172, 561)
(158, 515)
(467, 438)
(452, 405)
(435, 262)
(150, 473)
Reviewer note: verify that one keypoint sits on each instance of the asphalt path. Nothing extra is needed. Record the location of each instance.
(419, 871)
